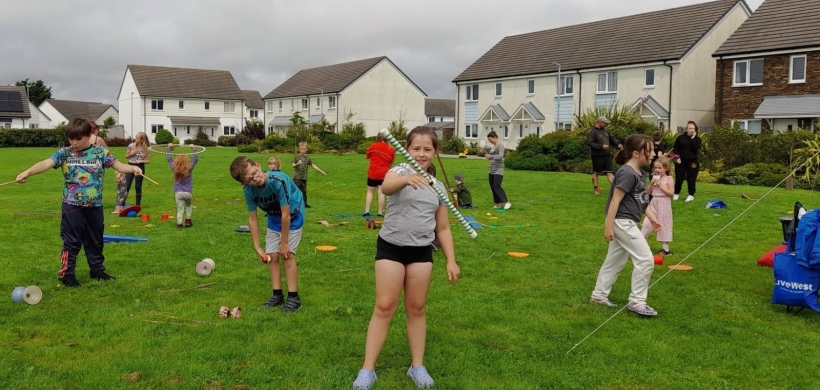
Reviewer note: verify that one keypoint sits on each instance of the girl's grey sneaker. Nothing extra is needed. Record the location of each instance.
(604, 302)
(422, 379)
(365, 380)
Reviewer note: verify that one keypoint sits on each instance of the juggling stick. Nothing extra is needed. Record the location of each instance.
(441, 195)
(150, 179)
(13, 181)
(446, 178)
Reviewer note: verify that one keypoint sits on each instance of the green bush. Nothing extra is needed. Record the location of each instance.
(756, 174)
(164, 137)
(453, 145)
(778, 147)
(248, 148)
(200, 142)
(362, 148)
(176, 141)
(532, 163)
(226, 140)
(727, 147)
(279, 143)
(32, 137)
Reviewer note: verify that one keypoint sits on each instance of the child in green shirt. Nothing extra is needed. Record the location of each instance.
(462, 194)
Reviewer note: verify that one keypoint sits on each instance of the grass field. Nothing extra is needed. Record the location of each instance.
(508, 324)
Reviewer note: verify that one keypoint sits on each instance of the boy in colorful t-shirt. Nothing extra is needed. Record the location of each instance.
(83, 165)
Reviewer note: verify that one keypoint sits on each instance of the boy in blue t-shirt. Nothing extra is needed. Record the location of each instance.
(83, 165)
(275, 193)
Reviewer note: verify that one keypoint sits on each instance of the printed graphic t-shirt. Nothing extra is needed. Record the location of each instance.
(277, 192)
(83, 171)
(636, 198)
(300, 171)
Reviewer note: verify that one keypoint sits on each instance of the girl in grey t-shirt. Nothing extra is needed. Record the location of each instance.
(627, 201)
(415, 215)
(496, 157)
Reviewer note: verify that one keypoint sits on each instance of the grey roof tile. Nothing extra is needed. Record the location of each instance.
(161, 81)
(71, 109)
(440, 107)
(776, 25)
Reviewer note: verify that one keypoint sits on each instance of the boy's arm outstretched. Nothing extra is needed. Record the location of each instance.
(39, 167)
(125, 168)
(445, 237)
(317, 168)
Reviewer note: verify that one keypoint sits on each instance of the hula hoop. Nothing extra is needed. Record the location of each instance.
(151, 148)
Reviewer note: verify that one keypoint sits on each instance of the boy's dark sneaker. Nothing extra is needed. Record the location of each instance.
(100, 275)
(366, 215)
(307, 206)
(291, 305)
(69, 281)
(189, 223)
(275, 300)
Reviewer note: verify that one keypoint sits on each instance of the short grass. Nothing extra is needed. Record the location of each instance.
(508, 324)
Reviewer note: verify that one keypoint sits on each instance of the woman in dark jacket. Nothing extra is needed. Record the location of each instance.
(687, 146)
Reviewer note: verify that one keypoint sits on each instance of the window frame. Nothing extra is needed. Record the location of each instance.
(472, 93)
(499, 90)
(331, 102)
(305, 104)
(748, 74)
(562, 85)
(280, 106)
(792, 80)
(471, 131)
(207, 106)
(608, 82)
(182, 104)
(229, 130)
(156, 128)
(230, 107)
(530, 87)
(157, 105)
(645, 76)
(520, 130)
(506, 131)
(744, 124)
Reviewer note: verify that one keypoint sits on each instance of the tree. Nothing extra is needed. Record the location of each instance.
(108, 122)
(38, 92)
(254, 129)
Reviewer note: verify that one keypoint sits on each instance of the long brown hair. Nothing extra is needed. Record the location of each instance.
(421, 132)
(182, 168)
(633, 143)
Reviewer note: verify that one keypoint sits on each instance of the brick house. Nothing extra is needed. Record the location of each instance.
(768, 71)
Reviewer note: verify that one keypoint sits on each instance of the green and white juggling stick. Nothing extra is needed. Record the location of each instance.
(441, 195)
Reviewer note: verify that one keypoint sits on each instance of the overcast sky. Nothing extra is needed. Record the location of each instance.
(81, 47)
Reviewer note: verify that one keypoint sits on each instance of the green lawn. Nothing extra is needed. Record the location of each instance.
(508, 324)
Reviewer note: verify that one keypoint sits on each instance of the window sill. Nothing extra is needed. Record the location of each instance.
(797, 81)
(530, 94)
(648, 87)
(498, 97)
(746, 85)
(606, 92)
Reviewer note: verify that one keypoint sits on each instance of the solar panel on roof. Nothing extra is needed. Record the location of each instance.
(16, 105)
(4, 105)
(11, 101)
(3, 95)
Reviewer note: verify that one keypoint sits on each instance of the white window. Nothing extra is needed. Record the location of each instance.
(565, 86)
(797, 70)
(608, 82)
(253, 113)
(751, 126)
(157, 105)
(6, 125)
(531, 87)
(182, 104)
(431, 119)
(538, 131)
(331, 102)
(280, 106)
(521, 130)
(207, 106)
(472, 92)
(506, 131)
(230, 107)
(497, 89)
(318, 102)
(471, 131)
(229, 130)
(270, 129)
(649, 78)
(748, 72)
(304, 104)
(292, 104)
(33, 126)
(155, 128)
(563, 126)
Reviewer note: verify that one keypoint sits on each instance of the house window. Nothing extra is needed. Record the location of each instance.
(565, 86)
(431, 119)
(497, 89)
(751, 126)
(280, 106)
(229, 130)
(472, 92)
(531, 87)
(187, 129)
(563, 126)
(304, 104)
(207, 106)
(538, 131)
(254, 113)
(6, 125)
(649, 78)
(155, 128)
(797, 72)
(270, 129)
(471, 131)
(33, 126)
(331, 102)
(506, 131)
(521, 130)
(292, 104)
(748, 72)
(230, 107)
(182, 104)
(318, 102)
(157, 105)
(608, 82)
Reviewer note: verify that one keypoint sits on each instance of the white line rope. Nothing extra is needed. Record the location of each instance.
(698, 248)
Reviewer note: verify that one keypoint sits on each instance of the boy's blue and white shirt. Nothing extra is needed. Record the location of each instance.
(278, 191)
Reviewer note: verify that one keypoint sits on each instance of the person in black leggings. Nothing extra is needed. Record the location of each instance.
(687, 166)
(138, 155)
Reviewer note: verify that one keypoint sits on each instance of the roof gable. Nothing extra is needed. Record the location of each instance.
(439, 107)
(253, 99)
(73, 109)
(776, 25)
(329, 79)
(163, 81)
(649, 37)
(25, 112)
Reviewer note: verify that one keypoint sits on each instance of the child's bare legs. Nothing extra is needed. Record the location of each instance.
(389, 280)
(416, 284)
(275, 271)
(368, 199)
(291, 272)
(382, 200)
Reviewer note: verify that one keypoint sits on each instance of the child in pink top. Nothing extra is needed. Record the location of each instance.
(661, 188)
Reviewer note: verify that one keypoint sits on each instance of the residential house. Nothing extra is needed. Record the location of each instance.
(254, 106)
(657, 62)
(441, 116)
(63, 111)
(768, 71)
(183, 100)
(38, 120)
(14, 112)
(373, 89)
